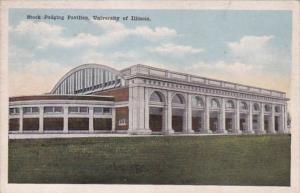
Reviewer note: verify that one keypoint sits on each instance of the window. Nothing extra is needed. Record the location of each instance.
(256, 107)
(177, 99)
(98, 110)
(197, 102)
(53, 109)
(102, 124)
(48, 109)
(214, 104)
(58, 109)
(229, 104)
(14, 111)
(14, 124)
(244, 106)
(267, 108)
(27, 110)
(30, 110)
(73, 109)
(277, 109)
(78, 110)
(107, 110)
(83, 109)
(101, 110)
(156, 97)
(122, 122)
(35, 109)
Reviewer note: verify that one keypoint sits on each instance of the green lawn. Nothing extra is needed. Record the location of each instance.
(205, 160)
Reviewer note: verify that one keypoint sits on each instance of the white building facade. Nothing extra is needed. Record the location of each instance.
(192, 104)
(147, 100)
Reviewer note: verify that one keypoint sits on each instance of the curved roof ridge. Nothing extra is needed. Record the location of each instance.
(84, 66)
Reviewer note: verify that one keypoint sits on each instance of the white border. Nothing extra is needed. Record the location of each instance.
(186, 5)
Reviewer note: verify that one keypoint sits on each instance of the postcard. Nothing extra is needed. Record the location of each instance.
(139, 96)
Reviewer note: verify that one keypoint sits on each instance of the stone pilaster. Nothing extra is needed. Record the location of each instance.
(262, 119)
(21, 120)
(189, 114)
(286, 129)
(41, 119)
(281, 121)
(130, 103)
(169, 114)
(113, 119)
(272, 120)
(137, 108)
(91, 119)
(165, 118)
(66, 119)
(147, 109)
(250, 118)
(206, 116)
(237, 118)
(222, 117)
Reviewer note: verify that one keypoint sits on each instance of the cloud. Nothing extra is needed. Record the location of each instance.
(243, 73)
(37, 77)
(113, 32)
(249, 60)
(220, 68)
(120, 30)
(235, 71)
(79, 39)
(152, 34)
(37, 28)
(117, 60)
(250, 44)
(255, 50)
(50, 34)
(175, 49)
(18, 54)
(123, 59)
(109, 26)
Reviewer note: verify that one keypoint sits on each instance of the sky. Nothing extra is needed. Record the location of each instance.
(247, 47)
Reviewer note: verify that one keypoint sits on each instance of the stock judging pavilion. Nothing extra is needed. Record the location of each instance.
(94, 98)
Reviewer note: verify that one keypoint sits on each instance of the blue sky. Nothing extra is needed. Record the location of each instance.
(249, 47)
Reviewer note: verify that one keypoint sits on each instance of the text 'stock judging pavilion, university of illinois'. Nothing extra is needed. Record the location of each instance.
(94, 98)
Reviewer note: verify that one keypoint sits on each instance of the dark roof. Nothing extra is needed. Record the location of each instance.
(61, 97)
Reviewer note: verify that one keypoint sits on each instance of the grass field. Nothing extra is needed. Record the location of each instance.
(205, 160)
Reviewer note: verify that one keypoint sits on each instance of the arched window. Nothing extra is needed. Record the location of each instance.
(244, 106)
(156, 97)
(255, 107)
(178, 99)
(267, 108)
(197, 102)
(214, 104)
(277, 109)
(229, 104)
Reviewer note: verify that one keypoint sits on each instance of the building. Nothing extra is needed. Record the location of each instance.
(94, 98)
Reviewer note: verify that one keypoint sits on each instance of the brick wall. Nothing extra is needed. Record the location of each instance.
(120, 94)
(121, 114)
